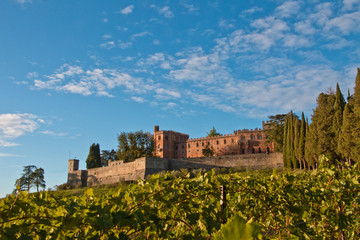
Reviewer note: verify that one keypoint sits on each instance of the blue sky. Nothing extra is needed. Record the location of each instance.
(73, 73)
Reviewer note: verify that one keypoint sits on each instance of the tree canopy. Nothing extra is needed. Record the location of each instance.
(31, 177)
(93, 160)
(213, 133)
(133, 145)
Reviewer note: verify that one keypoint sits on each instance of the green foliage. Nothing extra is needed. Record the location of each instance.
(106, 156)
(213, 133)
(238, 228)
(134, 145)
(321, 204)
(208, 151)
(93, 160)
(274, 129)
(31, 177)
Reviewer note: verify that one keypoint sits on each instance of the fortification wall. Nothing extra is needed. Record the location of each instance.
(143, 167)
(117, 171)
(243, 161)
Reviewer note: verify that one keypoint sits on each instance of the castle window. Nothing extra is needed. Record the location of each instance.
(259, 150)
(243, 151)
(188, 145)
(253, 150)
(217, 142)
(197, 150)
(208, 143)
(159, 138)
(252, 137)
(217, 148)
(232, 140)
(242, 138)
(202, 144)
(182, 146)
(259, 137)
(159, 146)
(224, 141)
(197, 144)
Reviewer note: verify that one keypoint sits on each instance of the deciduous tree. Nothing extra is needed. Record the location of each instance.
(134, 145)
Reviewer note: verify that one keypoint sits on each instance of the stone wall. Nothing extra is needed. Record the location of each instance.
(143, 167)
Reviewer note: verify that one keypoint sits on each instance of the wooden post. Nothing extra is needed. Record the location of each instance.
(223, 203)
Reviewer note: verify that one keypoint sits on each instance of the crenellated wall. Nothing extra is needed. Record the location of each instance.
(142, 167)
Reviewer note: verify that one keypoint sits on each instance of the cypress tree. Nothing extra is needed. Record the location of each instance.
(93, 160)
(296, 143)
(346, 144)
(338, 116)
(356, 121)
(285, 148)
(323, 141)
(302, 136)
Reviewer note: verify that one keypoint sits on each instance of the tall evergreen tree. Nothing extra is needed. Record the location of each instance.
(302, 137)
(274, 129)
(356, 121)
(346, 144)
(321, 128)
(93, 160)
(38, 179)
(338, 116)
(296, 143)
(285, 144)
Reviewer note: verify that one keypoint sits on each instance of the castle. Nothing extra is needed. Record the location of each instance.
(174, 145)
(245, 149)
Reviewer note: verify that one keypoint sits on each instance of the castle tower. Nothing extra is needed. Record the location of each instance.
(73, 165)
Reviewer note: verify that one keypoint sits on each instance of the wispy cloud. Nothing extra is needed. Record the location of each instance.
(15, 125)
(10, 155)
(73, 79)
(22, 2)
(127, 10)
(166, 12)
(54, 134)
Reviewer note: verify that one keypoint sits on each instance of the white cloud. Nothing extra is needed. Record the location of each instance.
(9, 155)
(251, 11)
(224, 24)
(166, 12)
(346, 23)
(22, 2)
(15, 125)
(91, 82)
(141, 34)
(138, 99)
(288, 8)
(127, 10)
(124, 45)
(108, 45)
(350, 4)
(54, 134)
(167, 93)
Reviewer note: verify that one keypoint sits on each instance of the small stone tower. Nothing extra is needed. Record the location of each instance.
(73, 165)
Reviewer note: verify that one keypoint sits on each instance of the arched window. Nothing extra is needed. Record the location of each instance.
(224, 141)
(259, 137)
(243, 151)
(242, 138)
(252, 137)
(259, 150)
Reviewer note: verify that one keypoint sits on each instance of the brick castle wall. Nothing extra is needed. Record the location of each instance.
(142, 167)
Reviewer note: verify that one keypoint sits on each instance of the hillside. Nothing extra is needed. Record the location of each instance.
(323, 203)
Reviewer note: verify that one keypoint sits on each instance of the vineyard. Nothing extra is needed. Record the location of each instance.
(319, 204)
